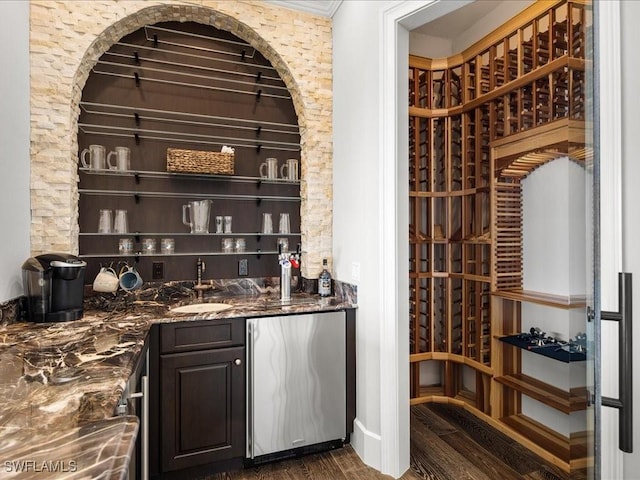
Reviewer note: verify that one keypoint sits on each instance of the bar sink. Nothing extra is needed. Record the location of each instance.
(201, 308)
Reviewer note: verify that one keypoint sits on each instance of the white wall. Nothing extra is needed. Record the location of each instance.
(554, 253)
(498, 16)
(15, 214)
(356, 191)
(554, 228)
(424, 45)
(429, 46)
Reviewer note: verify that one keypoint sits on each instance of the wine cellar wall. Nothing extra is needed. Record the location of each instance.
(471, 120)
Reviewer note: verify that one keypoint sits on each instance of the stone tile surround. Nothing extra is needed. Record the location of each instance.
(68, 37)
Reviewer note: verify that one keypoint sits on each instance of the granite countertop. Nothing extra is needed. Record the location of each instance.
(61, 382)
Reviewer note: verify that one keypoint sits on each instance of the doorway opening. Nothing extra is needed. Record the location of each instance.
(465, 212)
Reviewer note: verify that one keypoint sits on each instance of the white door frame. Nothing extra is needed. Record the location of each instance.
(610, 109)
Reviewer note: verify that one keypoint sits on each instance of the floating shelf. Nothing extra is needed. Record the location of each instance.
(177, 254)
(554, 352)
(190, 176)
(563, 401)
(557, 301)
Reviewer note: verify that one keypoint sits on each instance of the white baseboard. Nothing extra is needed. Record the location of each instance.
(366, 444)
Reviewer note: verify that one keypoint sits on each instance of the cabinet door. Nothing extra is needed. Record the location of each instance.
(202, 404)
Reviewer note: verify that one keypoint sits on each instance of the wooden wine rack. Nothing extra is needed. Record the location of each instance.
(479, 122)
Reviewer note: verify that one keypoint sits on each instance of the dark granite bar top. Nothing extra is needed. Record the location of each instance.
(61, 382)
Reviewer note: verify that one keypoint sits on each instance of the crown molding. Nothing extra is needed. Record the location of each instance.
(324, 8)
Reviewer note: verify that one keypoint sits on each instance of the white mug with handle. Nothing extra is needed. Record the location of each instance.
(106, 280)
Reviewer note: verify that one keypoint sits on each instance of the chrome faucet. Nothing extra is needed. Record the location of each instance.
(199, 286)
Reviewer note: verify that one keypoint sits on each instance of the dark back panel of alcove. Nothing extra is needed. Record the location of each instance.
(108, 117)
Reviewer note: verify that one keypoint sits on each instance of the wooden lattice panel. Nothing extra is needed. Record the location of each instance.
(507, 236)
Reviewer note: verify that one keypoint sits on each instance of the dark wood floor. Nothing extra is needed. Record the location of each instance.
(447, 443)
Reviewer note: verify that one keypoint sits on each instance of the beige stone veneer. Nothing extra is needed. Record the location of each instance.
(68, 37)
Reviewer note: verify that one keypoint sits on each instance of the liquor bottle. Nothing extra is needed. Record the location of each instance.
(324, 280)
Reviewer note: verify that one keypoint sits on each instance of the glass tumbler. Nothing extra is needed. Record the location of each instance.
(267, 223)
(120, 224)
(105, 222)
(148, 246)
(227, 245)
(284, 225)
(167, 246)
(283, 243)
(125, 246)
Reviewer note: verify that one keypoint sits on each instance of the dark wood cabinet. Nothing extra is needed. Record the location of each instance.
(198, 397)
(203, 408)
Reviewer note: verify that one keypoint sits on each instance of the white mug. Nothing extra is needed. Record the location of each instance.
(106, 280)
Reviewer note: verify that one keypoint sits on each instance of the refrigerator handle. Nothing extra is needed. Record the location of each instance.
(249, 389)
(624, 404)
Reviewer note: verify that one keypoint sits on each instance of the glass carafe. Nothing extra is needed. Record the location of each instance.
(198, 215)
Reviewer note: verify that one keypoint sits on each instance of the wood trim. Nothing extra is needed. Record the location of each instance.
(452, 357)
(524, 79)
(563, 401)
(420, 62)
(557, 132)
(550, 300)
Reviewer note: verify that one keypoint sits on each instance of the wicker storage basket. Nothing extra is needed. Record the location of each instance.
(196, 161)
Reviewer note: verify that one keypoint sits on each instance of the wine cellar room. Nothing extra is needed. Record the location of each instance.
(497, 219)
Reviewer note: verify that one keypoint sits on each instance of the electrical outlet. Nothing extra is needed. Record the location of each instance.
(157, 270)
(243, 267)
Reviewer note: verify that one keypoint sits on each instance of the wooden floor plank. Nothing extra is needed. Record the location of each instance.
(447, 443)
(432, 458)
(353, 468)
(480, 457)
(434, 422)
(505, 449)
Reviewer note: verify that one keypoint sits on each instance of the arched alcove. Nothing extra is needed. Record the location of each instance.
(196, 88)
(63, 56)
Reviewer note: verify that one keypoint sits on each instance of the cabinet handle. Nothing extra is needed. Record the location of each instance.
(237, 361)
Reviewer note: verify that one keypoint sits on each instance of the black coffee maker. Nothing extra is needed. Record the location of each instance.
(54, 287)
